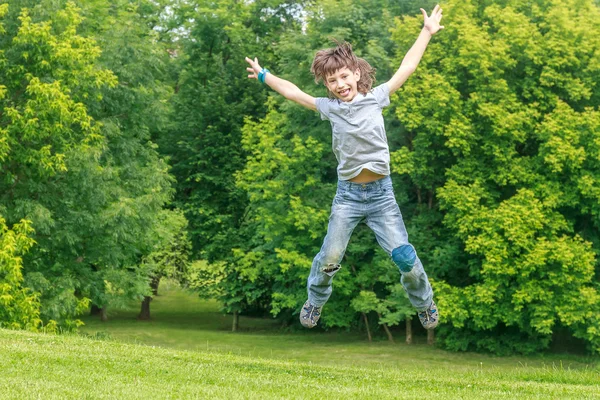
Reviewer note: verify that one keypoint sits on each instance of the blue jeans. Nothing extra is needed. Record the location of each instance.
(375, 203)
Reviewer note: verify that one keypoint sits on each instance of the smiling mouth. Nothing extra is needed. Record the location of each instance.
(344, 92)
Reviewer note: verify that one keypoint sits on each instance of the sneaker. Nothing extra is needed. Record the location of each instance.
(429, 318)
(309, 315)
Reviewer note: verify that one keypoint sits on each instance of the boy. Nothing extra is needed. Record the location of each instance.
(364, 186)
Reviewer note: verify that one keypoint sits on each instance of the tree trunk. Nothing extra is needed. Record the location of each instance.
(103, 315)
(154, 285)
(388, 333)
(430, 201)
(95, 310)
(236, 322)
(367, 326)
(430, 336)
(408, 330)
(387, 330)
(144, 314)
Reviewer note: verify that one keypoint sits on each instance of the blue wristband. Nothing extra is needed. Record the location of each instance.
(262, 74)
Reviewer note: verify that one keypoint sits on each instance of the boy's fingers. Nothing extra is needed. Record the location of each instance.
(424, 13)
(436, 8)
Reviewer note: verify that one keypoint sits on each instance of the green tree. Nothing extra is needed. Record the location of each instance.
(135, 113)
(86, 174)
(48, 70)
(290, 176)
(502, 134)
(213, 95)
(20, 307)
(169, 258)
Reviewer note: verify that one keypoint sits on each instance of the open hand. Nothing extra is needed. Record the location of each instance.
(255, 68)
(432, 23)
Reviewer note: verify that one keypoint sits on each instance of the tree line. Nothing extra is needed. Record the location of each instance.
(132, 142)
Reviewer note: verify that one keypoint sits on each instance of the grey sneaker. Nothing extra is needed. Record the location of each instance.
(429, 318)
(309, 315)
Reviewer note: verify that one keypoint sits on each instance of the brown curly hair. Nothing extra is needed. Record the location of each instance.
(328, 61)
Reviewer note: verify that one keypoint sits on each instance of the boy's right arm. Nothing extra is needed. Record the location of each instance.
(286, 88)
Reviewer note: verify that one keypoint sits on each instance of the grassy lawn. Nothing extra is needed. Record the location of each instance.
(188, 351)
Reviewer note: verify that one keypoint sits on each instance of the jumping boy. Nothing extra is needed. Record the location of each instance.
(364, 186)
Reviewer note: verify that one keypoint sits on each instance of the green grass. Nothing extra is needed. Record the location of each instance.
(187, 351)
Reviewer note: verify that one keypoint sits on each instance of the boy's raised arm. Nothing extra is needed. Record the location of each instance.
(286, 88)
(431, 25)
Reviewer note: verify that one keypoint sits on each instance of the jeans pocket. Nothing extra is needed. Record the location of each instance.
(386, 191)
(342, 194)
(339, 201)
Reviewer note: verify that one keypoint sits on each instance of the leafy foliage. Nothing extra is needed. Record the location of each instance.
(79, 163)
(504, 126)
(211, 101)
(495, 159)
(20, 307)
(169, 257)
(289, 177)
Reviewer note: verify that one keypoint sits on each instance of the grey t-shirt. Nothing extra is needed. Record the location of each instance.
(358, 139)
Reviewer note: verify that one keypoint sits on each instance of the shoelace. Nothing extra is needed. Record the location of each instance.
(311, 311)
(426, 315)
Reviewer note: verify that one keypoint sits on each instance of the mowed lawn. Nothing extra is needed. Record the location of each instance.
(188, 351)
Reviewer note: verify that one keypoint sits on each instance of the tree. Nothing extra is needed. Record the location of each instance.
(170, 256)
(502, 131)
(20, 306)
(85, 172)
(289, 177)
(213, 95)
(136, 111)
(43, 124)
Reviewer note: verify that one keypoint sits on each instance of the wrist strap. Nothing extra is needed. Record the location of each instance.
(262, 74)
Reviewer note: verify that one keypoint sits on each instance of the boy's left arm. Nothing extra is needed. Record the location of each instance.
(431, 26)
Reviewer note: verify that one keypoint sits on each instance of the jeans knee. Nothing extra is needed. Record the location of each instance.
(404, 257)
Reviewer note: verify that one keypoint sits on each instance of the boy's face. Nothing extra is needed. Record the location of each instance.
(343, 83)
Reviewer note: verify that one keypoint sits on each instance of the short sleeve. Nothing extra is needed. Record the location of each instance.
(322, 104)
(382, 95)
